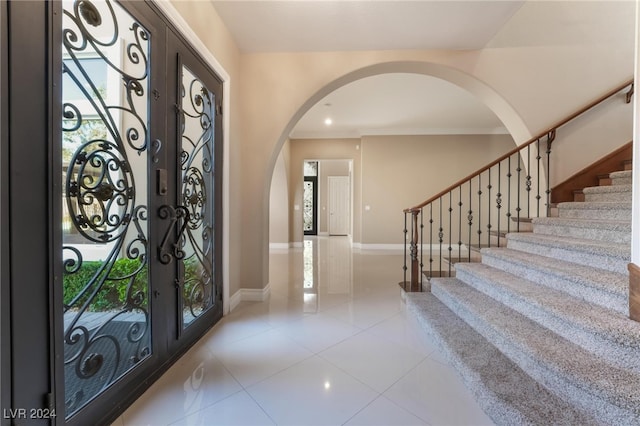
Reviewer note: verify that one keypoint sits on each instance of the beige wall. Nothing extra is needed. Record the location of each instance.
(527, 86)
(279, 203)
(399, 172)
(323, 150)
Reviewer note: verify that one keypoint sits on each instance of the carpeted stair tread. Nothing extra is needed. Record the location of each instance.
(623, 177)
(596, 210)
(596, 229)
(607, 189)
(568, 370)
(597, 329)
(605, 255)
(506, 393)
(605, 288)
(608, 193)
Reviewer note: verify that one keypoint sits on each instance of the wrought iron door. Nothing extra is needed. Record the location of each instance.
(137, 221)
(104, 156)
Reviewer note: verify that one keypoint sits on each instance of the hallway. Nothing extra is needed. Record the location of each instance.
(333, 345)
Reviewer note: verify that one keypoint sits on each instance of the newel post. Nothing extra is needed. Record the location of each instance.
(415, 263)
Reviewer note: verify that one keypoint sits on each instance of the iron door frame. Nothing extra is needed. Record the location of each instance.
(179, 53)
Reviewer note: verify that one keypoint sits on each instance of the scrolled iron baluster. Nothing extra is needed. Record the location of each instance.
(550, 138)
(421, 245)
(538, 197)
(509, 195)
(470, 220)
(489, 187)
(499, 199)
(528, 181)
(440, 236)
(430, 240)
(414, 251)
(166, 255)
(459, 222)
(450, 231)
(479, 231)
(518, 209)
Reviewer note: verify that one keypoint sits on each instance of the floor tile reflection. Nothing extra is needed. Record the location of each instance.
(332, 345)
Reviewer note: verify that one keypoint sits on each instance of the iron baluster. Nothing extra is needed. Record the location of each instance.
(459, 222)
(538, 197)
(550, 137)
(479, 211)
(509, 194)
(489, 187)
(414, 250)
(470, 220)
(440, 236)
(450, 232)
(528, 182)
(430, 240)
(421, 247)
(518, 209)
(499, 199)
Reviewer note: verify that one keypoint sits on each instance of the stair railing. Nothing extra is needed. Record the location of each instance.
(465, 217)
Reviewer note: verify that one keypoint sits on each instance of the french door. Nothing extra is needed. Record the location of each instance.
(115, 251)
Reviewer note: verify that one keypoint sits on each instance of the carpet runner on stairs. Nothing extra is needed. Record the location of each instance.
(539, 329)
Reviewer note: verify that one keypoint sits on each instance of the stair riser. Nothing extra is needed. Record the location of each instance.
(601, 261)
(606, 214)
(608, 196)
(616, 302)
(558, 383)
(611, 236)
(612, 351)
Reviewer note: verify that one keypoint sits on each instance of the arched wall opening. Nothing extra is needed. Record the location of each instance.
(496, 103)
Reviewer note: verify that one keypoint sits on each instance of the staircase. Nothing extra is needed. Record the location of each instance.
(539, 329)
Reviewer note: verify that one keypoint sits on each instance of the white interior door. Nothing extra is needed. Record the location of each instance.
(339, 205)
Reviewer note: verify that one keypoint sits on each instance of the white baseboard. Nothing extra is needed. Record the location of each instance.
(400, 247)
(323, 234)
(378, 246)
(296, 245)
(249, 295)
(278, 246)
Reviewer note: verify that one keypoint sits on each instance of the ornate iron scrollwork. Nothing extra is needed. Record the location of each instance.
(106, 316)
(196, 112)
(175, 214)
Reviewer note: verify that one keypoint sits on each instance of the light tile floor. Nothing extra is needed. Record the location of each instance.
(333, 345)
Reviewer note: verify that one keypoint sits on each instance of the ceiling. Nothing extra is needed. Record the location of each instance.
(320, 25)
(397, 103)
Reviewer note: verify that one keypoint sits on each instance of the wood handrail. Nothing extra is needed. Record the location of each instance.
(549, 131)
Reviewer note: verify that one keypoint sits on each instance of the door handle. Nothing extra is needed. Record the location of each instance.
(166, 251)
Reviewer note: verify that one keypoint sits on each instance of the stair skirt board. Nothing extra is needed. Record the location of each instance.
(539, 329)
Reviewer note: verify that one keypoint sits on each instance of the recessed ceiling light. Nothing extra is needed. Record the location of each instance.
(328, 121)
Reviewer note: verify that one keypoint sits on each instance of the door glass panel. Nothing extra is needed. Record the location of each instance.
(196, 183)
(104, 156)
(307, 206)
